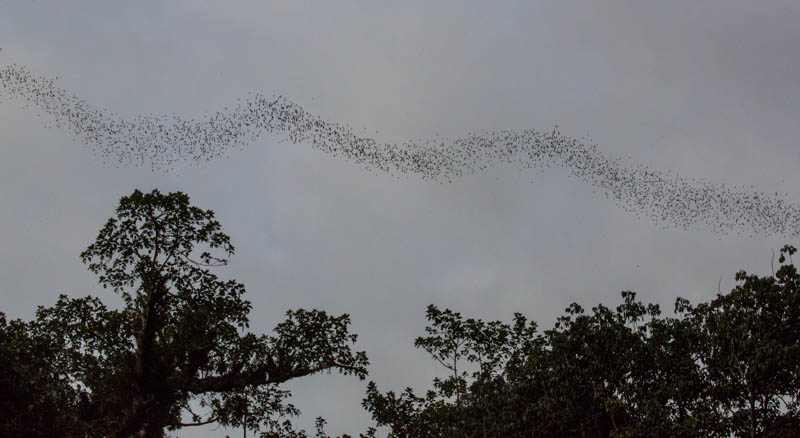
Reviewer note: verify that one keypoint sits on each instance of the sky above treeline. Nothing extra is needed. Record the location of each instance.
(697, 95)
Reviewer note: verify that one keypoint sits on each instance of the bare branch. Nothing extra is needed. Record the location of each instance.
(201, 423)
(772, 262)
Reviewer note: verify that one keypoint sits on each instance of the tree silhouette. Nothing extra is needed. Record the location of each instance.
(729, 367)
(177, 353)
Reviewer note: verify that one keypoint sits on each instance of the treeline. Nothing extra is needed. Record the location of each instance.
(729, 367)
(178, 354)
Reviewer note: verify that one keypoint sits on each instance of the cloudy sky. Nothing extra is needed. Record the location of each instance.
(706, 90)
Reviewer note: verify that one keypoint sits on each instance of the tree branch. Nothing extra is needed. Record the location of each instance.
(200, 423)
(210, 265)
(262, 375)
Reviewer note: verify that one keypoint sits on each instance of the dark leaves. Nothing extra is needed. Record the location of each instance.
(179, 338)
(728, 367)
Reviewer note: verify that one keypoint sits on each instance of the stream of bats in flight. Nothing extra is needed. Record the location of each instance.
(161, 141)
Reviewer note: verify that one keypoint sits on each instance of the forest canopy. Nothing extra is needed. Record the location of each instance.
(728, 367)
(178, 353)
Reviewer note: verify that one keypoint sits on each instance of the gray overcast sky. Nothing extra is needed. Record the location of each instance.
(706, 89)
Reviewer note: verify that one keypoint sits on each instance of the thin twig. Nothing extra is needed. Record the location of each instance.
(772, 262)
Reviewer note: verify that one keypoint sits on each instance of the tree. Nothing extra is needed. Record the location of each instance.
(471, 400)
(751, 351)
(729, 367)
(179, 342)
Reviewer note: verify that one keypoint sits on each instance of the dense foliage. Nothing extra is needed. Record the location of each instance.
(727, 367)
(178, 343)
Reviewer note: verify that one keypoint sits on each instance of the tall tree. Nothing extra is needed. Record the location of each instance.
(177, 352)
(751, 351)
(729, 367)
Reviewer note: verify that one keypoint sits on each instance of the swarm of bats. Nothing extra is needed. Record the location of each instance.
(161, 141)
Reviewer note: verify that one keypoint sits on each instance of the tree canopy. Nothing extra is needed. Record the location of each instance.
(176, 353)
(728, 367)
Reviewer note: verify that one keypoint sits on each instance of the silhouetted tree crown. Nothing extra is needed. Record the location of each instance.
(176, 354)
(729, 367)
